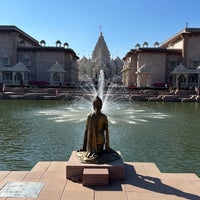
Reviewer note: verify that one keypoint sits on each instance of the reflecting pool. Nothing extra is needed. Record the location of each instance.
(161, 132)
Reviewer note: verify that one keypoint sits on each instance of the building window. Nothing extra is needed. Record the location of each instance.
(27, 61)
(6, 60)
(195, 64)
(22, 43)
(173, 64)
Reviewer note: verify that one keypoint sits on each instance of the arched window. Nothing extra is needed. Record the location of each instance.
(6, 60)
(26, 60)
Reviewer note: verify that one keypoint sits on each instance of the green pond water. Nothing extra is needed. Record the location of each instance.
(165, 133)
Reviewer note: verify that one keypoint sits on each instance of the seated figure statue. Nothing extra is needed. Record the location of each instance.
(96, 148)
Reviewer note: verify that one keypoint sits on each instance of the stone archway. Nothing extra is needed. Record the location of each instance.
(182, 81)
(144, 76)
(56, 74)
(56, 78)
(18, 78)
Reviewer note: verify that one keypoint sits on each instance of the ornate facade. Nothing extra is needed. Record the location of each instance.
(24, 60)
(89, 69)
(175, 62)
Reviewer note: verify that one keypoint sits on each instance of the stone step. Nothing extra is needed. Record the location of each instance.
(95, 177)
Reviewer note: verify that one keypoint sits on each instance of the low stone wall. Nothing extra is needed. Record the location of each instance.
(71, 94)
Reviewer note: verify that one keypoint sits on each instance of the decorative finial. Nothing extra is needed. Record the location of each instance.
(100, 29)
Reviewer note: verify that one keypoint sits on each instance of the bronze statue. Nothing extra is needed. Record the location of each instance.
(96, 148)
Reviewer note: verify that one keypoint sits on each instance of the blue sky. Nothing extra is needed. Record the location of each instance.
(77, 22)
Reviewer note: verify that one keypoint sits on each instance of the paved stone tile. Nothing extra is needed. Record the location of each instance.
(53, 175)
(16, 175)
(169, 197)
(52, 189)
(49, 195)
(142, 196)
(3, 174)
(56, 185)
(72, 186)
(16, 198)
(108, 195)
(114, 185)
(25, 179)
(41, 166)
(183, 188)
(179, 176)
(197, 184)
(138, 186)
(144, 169)
(2, 183)
(142, 181)
(78, 195)
(57, 166)
(130, 171)
(132, 168)
(13, 176)
(151, 169)
(35, 174)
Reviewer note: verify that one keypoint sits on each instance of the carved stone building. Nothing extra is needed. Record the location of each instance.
(176, 62)
(24, 60)
(89, 69)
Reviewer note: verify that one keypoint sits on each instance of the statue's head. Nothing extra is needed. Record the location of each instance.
(97, 103)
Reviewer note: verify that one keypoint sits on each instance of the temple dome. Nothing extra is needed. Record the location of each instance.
(56, 68)
(20, 67)
(180, 69)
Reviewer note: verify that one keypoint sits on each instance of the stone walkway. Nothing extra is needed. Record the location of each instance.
(143, 181)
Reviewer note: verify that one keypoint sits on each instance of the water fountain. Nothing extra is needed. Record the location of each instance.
(109, 95)
(115, 104)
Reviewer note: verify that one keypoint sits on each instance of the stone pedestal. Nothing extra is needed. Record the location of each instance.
(75, 168)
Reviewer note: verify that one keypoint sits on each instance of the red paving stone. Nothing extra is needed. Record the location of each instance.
(142, 181)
